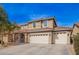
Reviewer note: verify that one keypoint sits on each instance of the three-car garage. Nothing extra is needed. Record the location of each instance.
(49, 37)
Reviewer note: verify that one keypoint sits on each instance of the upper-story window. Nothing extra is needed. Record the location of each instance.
(24, 27)
(34, 24)
(45, 24)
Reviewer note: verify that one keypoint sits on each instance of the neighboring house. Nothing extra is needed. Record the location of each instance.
(43, 31)
(75, 29)
(74, 32)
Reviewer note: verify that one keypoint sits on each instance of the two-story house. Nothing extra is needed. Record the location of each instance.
(45, 31)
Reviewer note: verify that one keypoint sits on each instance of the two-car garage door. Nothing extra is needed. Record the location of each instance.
(39, 38)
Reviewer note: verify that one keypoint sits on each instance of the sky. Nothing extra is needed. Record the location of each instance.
(66, 14)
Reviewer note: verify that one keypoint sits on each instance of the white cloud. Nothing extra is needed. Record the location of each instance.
(36, 17)
(64, 24)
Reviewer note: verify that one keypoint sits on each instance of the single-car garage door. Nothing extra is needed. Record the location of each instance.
(39, 38)
(61, 38)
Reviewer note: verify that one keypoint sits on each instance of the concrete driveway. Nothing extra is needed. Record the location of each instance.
(36, 49)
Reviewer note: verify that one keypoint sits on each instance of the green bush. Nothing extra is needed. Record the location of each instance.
(76, 44)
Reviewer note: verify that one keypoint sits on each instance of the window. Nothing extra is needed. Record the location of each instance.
(34, 24)
(45, 23)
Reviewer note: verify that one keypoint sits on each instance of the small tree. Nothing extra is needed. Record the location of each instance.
(5, 24)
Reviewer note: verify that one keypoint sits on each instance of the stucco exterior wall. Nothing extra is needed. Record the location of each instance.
(30, 26)
(50, 23)
(24, 27)
(26, 37)
(51, 38)
(38, 24)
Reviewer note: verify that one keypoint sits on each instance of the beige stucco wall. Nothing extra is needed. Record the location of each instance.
(30, 26)
(50, 23)
(38, 24)
(51, 38)
(26, 37)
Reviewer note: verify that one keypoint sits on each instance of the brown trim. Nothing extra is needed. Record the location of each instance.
(55, 22)
(39, 31)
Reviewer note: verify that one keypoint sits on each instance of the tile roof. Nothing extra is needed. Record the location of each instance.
(33, 30)
(41, 19)
(44, 29)
(20, 31)
(40, 30)
(62, 28)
